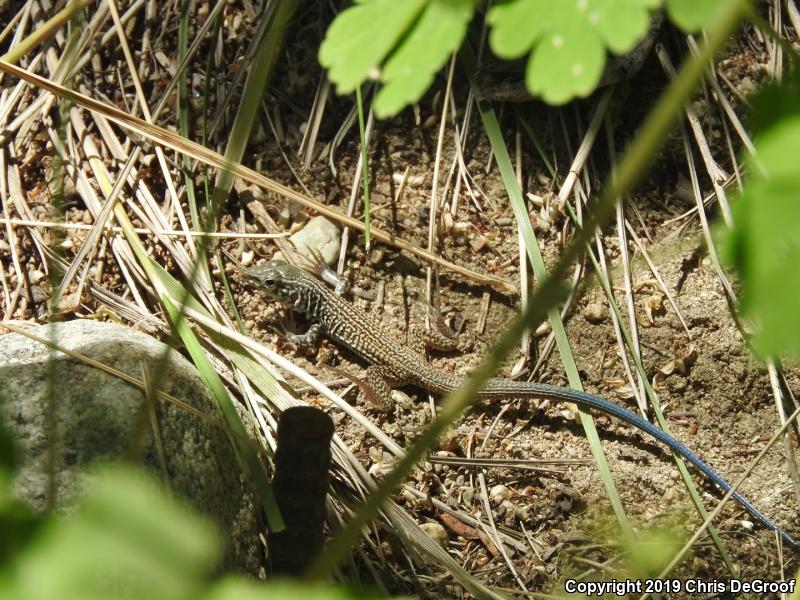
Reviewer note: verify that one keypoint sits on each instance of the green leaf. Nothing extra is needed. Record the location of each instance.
(361, 37)
(410, 70)
(621, 22)
(775, 102)
(128, 539)
(778, 149)
(691, 15)
(517, 26)
(764, 245)
(567, 40)
(651, 550)
(568, 62)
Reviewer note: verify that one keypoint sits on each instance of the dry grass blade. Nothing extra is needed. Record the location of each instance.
(511, 463)
(670, 296)
(359, 176)
(162, 136)
(715, 173)
(633, 327)
(714, 513)
(656, 406)
(46, 31)
(495, 536)
(146, 231)
(537, 262)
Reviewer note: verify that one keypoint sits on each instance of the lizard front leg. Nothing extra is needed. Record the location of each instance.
(308, 339)
(374, 386)
(439, 337)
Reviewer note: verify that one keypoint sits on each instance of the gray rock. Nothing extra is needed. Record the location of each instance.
(97, 419)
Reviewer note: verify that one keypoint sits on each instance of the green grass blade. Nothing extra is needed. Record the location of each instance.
(248, 458)
(270, 42)
(503, 159)
(635, 162)
(364, 166)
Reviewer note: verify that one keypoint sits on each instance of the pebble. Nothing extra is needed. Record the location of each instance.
(499, 493)
(437, 533)
(318, 234)
(595, 313)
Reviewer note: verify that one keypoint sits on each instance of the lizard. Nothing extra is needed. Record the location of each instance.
(395, 363)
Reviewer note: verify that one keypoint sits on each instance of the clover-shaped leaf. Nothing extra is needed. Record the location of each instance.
(691, 15)
(361, 37)
(403, 44)
(764, 245)
(411, 39)
(410, 70)
(566, 40)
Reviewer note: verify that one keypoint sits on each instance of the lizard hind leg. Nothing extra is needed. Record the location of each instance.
(380, 380)
(439, 337)
(374, 386)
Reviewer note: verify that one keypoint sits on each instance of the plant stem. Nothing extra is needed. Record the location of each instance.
(637, 158)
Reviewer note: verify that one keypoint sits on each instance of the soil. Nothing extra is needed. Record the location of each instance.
(721, 405)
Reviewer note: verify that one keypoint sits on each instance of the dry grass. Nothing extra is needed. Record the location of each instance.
(99, 190)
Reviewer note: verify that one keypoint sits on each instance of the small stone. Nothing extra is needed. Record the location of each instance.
(447, 222)
(284, 217)
(499, 493)
(507, 507)
(523, 513)
(378, 470)
(402, 399)
(410, 180)
(409, 497)
(595, 313)
(535, 199)
(36, 276)
(653, 304)
(376, 255)
(477, 244)
(318, 234)
(437, 533)
(37, 294)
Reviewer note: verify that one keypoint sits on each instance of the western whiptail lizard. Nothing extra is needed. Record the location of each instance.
(396, 363)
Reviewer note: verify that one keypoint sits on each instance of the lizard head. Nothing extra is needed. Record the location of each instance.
(281, 281)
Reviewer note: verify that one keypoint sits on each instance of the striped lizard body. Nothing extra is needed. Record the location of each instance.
(394, 363)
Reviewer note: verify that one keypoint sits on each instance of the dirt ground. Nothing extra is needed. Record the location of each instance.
(720, 405)
(717, 400)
